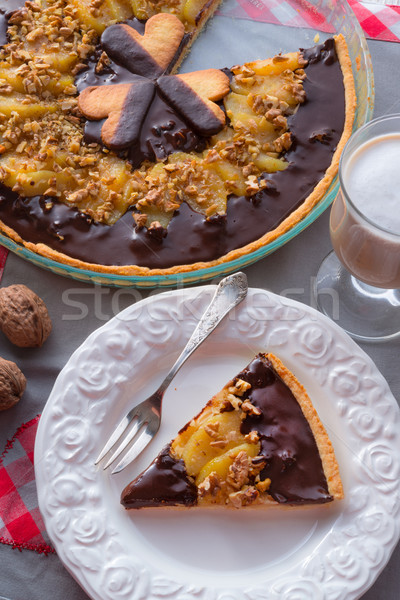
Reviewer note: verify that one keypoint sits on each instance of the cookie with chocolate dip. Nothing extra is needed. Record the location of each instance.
(112, 161)
(259, 441)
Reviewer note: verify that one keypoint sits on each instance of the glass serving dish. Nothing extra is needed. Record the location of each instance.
(256, 30)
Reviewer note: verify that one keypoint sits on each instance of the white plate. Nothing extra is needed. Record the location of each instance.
(330, 552)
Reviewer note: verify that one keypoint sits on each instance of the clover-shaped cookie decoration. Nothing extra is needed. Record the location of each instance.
(147, 57)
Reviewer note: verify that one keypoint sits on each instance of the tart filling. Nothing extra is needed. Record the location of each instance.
(259, 441)
(111, 162)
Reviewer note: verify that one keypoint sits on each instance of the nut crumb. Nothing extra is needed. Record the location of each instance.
(250, 409)
(211, 485)
(238, 471)
(263, 485)
(243, 497)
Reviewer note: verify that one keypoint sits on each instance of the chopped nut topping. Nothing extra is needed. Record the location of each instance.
(242, 386)
(211, 485)
(257, 465)
(212, 430)
(102, 63)
(263, 486)
(252, 437)
(140, 219)
(250, 409)
(239, 471)
(243, 497)
(219, 443)
(234, 401)
(254, 185)
(225, 406)
(283, 142)
(155, 225)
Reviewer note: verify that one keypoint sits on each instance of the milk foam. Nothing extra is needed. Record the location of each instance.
(371, 178)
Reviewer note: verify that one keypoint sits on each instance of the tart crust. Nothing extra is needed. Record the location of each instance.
(296, 216)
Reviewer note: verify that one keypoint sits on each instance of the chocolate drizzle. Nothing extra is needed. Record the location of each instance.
(164, 483)
(316, 129)
(287, 443)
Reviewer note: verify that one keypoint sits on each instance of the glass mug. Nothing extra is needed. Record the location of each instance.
(363, 272)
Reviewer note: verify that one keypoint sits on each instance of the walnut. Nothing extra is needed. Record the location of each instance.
(263, 485)
(252, 437)
(249, 408)
(235, 401)
(242, 387)
(212, 430)
(238, 471)
(219, 443)
(210, 485)
(243, 497)
(23, 316)
(12, 384)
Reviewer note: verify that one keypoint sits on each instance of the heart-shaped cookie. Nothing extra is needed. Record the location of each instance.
(194, 96)
(123, 105)
(150, 54)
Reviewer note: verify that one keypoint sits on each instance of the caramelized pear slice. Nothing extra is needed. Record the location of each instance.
(220, 464)
(199, 449)
(17, 103)
(277, 64)
(191, 10)
(109, 12)
(56, 85)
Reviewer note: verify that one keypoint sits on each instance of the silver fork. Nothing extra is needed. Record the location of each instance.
(146, 416)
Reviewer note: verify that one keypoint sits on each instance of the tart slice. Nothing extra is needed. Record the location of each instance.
(259, 441)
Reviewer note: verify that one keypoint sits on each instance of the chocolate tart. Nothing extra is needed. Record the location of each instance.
(112, 162)
(259, 441)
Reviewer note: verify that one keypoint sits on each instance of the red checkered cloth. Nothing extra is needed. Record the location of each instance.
(21, 524)
(279, 12)
(3, 257)
(379, 21)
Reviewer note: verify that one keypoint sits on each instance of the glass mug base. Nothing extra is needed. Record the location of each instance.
(365, 312)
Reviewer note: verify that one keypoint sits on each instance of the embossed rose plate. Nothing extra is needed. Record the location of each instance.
(324, 553)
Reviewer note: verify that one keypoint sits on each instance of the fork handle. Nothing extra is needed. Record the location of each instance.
(229, 293)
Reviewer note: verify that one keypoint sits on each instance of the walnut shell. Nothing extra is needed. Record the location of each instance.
(12, 384)
(23, 316)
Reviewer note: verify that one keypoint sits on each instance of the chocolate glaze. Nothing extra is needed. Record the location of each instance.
(185, 101)
(164, 483)
(164, 132)
(293, 462)
(203, 11)
(123, 48)
(135, 107)
(7, 7)
(191, 238)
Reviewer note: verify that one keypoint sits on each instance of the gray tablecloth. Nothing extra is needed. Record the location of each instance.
(289, 271)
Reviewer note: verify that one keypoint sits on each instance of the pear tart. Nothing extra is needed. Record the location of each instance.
(112, 161)
(257, 442)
